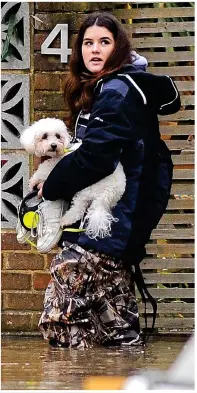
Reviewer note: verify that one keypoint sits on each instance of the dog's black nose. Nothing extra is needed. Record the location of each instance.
(54, 146)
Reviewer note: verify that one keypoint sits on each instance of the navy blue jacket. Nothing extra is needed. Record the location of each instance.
(122, 126)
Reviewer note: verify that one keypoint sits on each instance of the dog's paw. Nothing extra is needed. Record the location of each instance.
(66, 221)
(31, 186)
(63, 222)
(33, 183)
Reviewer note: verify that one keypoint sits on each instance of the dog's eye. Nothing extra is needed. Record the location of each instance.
(57, 136)
(44, 136)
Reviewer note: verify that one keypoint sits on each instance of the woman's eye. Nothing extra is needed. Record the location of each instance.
(105, 42)
(57, 136)
(44, 136)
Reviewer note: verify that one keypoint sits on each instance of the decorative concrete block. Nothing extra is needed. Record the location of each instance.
(15, 109)
(14, 185)
(20, 58)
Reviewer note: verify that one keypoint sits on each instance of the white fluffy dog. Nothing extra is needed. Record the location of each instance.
(49, 137)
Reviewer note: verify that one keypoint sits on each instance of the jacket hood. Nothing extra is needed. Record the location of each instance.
(160, 91)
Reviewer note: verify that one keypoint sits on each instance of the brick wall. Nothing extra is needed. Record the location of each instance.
(25, 273)
(49, 72)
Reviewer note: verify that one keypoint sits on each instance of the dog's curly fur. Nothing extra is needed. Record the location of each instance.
(49, 137)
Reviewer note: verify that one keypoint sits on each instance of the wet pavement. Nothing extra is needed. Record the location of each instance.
(30, 363)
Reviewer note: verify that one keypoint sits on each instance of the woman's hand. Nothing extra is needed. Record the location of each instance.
(40, 186)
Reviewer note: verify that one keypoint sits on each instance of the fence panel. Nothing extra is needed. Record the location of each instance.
(164, 33)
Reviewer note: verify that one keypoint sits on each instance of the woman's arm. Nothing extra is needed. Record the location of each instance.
(107, 132)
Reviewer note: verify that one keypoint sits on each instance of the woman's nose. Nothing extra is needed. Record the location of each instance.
(95, 47)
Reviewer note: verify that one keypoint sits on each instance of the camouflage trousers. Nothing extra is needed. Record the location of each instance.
(89, 299)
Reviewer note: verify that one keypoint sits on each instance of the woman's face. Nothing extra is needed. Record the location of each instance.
(98, 44)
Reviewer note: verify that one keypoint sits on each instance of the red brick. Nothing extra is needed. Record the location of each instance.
(15, 281)
(18, 261)
(63, 80)
(47, 82)
(15, 322)
(47, 101)
(41, 280)
(39, 39)
(63, 115)
(49, 63)
(49, 260)
(23, 301)
(9, 242)
(35, 319)
(50, 20)
(71, 6)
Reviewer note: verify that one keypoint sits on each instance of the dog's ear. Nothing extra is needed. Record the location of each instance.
(27, 139)
(67, 139)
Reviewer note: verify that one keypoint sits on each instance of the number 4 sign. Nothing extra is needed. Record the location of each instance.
(63, 51)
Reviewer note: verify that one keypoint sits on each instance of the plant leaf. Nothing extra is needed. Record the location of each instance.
(6, 51)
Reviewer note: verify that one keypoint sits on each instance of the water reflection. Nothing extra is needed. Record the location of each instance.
(29, 363)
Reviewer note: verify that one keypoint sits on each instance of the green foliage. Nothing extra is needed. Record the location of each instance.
(7, 49)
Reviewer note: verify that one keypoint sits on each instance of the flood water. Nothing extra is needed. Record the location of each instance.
(30, 363)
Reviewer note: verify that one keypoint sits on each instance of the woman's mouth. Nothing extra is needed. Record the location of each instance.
(96, 60)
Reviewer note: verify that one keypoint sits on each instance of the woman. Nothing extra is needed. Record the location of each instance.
(114, 107)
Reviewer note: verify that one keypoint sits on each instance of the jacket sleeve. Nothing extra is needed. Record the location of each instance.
(107, 133)
(167, 95)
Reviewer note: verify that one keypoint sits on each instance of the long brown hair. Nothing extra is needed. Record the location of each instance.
(80, 83)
